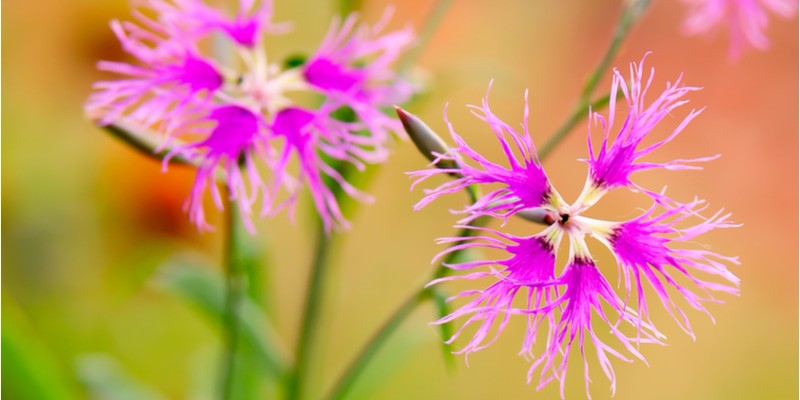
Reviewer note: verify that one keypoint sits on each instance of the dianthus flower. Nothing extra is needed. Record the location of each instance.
(747, 20)
(228, 115)
(560, 303)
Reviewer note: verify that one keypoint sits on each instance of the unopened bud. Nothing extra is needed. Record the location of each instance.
(426, 140)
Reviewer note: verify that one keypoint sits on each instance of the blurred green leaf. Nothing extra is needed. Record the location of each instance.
(446, 329)
(30, 371)
(204, 288)
(105, 379)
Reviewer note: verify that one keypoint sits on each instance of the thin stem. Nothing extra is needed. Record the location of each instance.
(146, 142)
(298, 380)
(432, 22)
(357, 366)
(578, 114)
(630, 14)
(369, 350)
(235, 281)
(143, 140)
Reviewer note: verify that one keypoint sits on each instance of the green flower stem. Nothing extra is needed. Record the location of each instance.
(143, 140)
(146, 142)
(578, 114)
(354, 370)
(236, 284)
(298, 380)
(306, 345)
(631, 13)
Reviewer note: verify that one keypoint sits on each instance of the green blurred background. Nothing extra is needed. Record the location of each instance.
(89, 223)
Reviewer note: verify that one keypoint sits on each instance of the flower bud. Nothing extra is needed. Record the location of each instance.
(426, 140)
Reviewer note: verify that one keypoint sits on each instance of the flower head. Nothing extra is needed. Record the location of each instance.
(746, 20)
(235, 119)
(561, 303)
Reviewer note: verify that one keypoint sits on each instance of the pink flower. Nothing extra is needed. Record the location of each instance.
(560, 303)
(746, 20)
(227, 119)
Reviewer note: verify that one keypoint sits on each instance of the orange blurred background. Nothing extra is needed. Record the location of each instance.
(88, 221)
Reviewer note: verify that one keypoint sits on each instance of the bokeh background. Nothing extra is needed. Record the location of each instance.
(89, 224)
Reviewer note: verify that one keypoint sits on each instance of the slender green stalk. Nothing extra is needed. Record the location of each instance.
(578, 114)
(235, 281)
(630, 14)
(146, 142)
(298, 380)
(446, 329)
(143, 140)
(356, 367)
(306, 345)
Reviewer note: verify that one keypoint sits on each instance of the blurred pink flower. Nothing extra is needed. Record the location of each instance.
(746, 20)
(559, 305)
(226, 119)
